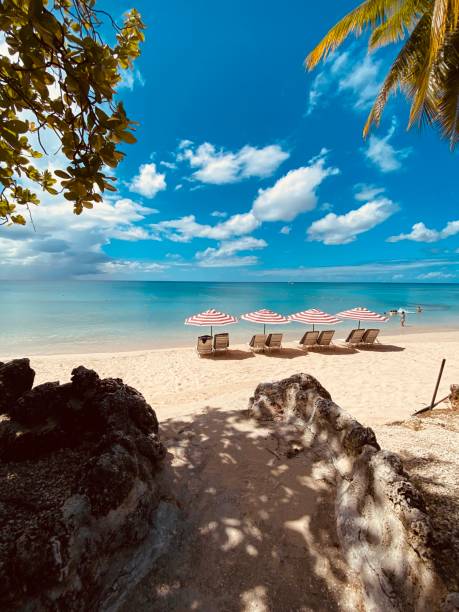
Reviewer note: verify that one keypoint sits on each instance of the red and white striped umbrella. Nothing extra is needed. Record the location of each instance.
(314, 316)
(266, 317)
(211, 317)
(361, 314)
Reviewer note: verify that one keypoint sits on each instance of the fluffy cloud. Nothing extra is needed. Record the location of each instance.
(383, 154)
(286, 229)
(148, 182)
(421, 233)
(345, 73)
(66, 245)
(187, 228)
(342, 229)
(292, 194)
(225, 255)
(218, 166)
(219, 214)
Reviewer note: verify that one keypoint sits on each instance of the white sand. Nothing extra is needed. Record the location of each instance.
(260, 526)
(378, 385)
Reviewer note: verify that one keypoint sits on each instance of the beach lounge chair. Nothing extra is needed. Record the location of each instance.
(204, 346)
(257, 342)
(355, 336)
(309, 339)
(274, 341)
(221, 342)
(325, 338)
(369, 337)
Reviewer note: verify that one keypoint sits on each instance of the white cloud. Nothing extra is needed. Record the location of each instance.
(421, 233)
(169, 165)
(346, 73)
(148, 182)
(292, 194)
(218, 166)
(219, 214)
(286, 229)
(364, 192)
(435, 275)
(178, 187)
(382, 153)
(125, 266)
(342, 229)
(66, 245)
(362, 80)
(130, 78)
(186, 228)
(225, 255)
(370, 271)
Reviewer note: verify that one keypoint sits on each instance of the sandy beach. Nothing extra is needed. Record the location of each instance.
(378, 385)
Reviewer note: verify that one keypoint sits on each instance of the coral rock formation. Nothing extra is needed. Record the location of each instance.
(81, 509)
(381, 519)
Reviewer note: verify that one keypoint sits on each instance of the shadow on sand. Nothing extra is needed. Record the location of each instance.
(258, 530)
(382, 348)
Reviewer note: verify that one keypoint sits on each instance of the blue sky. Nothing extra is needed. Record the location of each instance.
(249, 168)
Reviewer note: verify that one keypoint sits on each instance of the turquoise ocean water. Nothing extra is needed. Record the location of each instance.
(92, 316)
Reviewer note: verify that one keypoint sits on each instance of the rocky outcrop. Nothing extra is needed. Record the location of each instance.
(82, 511)
(381, 518)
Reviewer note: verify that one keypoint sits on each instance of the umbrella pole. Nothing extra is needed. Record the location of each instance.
(211, 330)
(359, 324)
(264, 329)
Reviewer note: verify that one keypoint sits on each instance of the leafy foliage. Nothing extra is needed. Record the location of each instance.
(60, 75)
(427, 66)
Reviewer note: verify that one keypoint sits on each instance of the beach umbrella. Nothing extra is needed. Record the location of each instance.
(211, 318)
(314, 316)
(266, 317)
(361, 314)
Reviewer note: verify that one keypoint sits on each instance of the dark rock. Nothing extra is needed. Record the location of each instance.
(39, 404)
(357, 437)
(78, 484)
(16, 378)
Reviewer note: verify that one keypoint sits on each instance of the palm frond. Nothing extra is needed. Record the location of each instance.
(448, 76)
(369, 13)
(403, 70)
(439, 21)
(401, 22)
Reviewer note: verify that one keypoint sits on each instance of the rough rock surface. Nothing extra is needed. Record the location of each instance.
(381, 518)
(82, 513)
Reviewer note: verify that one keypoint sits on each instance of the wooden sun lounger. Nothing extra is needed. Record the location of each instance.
(204, 346)
(274, 341)
(257, 342)
(309, 339)
(221, 342)
(325, 338)
(370, 336)
(355, 337)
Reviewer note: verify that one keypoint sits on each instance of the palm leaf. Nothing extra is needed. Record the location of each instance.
(402, 71)
(396, 27)
(438, 29)
(369, 13)
(448, 75)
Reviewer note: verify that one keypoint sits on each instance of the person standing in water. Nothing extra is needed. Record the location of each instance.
(402, 318)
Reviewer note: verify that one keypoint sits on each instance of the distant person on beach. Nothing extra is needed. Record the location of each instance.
(418, 309)
(402, 318)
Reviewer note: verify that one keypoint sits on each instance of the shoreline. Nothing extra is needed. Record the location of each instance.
(190, 342)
